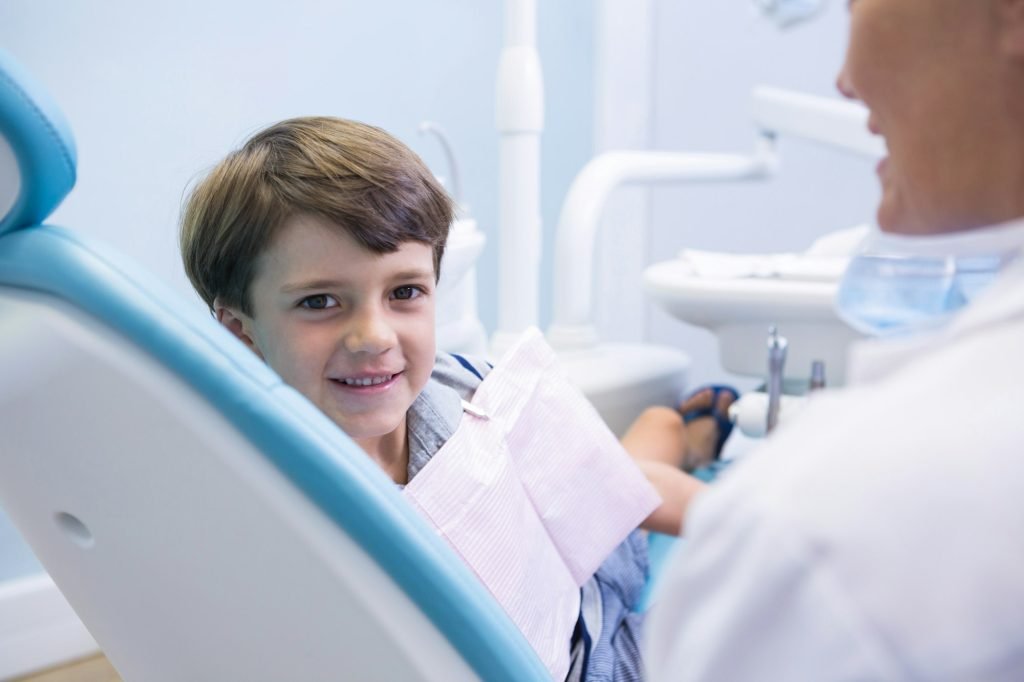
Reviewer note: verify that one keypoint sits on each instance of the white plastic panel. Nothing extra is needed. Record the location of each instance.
(622, 379)
(188, 556)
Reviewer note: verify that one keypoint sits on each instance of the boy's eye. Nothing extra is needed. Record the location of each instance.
(318, 302)
(406, 293)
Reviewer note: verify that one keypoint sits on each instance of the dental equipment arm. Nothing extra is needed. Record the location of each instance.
(834, 122)
(572, 325)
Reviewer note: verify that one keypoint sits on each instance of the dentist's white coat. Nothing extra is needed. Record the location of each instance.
(880, 537)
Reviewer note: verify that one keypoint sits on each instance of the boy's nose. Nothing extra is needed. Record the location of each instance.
(369, 333)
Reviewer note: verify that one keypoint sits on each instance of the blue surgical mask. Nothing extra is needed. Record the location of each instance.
(898, 286)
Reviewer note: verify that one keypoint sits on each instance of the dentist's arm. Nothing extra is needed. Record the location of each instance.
(750, 599)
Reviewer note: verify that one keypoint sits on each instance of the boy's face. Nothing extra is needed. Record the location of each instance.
(351, 330)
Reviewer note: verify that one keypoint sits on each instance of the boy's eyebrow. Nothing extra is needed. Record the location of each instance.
(336, 283)
(311, 284)
(414, 274)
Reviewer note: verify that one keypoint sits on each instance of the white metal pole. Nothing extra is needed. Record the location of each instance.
(520, 121)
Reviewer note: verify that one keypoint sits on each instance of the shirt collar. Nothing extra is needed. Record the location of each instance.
(431, 421)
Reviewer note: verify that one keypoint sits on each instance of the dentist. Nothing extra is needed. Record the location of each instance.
(881, 536)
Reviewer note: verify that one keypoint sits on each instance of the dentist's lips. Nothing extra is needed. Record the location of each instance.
(875, 129)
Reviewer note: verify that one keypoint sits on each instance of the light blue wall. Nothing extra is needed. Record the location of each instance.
(158, 92)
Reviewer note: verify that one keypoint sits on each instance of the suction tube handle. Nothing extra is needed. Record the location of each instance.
(429, 127)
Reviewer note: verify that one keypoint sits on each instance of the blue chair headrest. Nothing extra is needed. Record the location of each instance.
(37, 150)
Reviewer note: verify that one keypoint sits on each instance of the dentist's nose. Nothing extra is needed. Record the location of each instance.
(370, 332)
(843, 83)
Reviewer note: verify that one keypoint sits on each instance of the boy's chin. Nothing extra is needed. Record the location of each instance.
(370, 431)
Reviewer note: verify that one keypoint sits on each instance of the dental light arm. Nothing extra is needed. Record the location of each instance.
(833, 122)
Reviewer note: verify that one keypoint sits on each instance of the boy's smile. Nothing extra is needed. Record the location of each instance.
(350, 329)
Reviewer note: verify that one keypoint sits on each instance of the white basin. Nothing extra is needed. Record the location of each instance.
(792, 292)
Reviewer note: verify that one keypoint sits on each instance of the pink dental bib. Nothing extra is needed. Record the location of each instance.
(533, 492)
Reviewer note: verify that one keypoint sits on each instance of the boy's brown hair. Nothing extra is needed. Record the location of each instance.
(357, 176)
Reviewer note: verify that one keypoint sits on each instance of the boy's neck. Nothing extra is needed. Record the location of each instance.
(390, 452)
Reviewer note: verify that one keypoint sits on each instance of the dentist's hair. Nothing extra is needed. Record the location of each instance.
(356, 176)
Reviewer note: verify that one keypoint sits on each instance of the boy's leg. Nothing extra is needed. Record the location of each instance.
(657, 441)
(664, 447)
(657, 435)
(660, 435)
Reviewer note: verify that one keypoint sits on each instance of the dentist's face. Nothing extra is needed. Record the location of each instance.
(352, 330)
(928, 72)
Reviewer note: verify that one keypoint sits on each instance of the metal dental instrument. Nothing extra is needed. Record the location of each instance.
(776, 363)
(817, 382)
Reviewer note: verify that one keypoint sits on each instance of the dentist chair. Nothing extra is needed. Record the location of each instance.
(205, 521)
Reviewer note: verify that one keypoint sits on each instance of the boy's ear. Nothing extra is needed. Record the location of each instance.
(236, 322)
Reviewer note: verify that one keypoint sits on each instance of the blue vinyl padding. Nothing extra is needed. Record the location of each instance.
(42, 142)
(293, 434)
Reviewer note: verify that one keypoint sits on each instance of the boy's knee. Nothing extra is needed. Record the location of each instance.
(661, 417)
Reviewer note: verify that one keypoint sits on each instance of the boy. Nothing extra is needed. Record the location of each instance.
(318, 244)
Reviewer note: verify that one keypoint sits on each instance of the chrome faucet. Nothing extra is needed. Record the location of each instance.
(776, 363)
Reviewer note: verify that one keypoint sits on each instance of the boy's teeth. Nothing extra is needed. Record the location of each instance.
(369, 381)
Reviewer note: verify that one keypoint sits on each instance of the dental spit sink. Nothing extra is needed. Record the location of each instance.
(738, 297)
